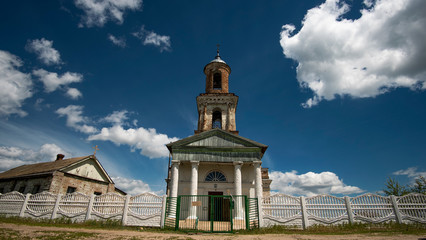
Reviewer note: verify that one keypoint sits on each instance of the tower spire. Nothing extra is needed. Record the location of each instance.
(217, 55)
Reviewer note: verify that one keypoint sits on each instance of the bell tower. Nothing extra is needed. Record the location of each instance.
(217, 107)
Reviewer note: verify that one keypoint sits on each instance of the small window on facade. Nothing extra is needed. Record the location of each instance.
(217, 80)
(217, 120)
(215, 176)
(22, 189)
(71, 189)
(98, 193)
(36, 189)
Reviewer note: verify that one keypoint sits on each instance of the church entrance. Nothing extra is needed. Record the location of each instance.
(211, 213)
(219, 207)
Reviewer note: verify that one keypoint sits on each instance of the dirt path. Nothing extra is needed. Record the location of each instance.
(38, 232)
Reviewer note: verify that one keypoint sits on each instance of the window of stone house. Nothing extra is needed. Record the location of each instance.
(36, 189)
(71, 189)
(215, 176)
(217, 120)
(22, 189)
(217, 80)
(98, 193)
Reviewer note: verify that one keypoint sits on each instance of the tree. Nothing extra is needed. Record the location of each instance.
(419, 185)
(394, 188)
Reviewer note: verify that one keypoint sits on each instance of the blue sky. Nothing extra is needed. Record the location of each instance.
(336, 89)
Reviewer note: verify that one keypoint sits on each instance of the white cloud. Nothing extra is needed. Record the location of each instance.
(117, 117)
(382, 50)
(11, 157)
(131, 186)
(152, 38)
(74, 93)
(75, 118)
(46, 53)
(52, 81)
(119, 41)
(16, 86)
(98, 12)
(151, 143)
(411, 173)
(310, 183)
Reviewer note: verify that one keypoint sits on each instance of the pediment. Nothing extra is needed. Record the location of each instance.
(88, 169)
(216, 138)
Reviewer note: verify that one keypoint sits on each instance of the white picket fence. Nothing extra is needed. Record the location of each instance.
(142, 210)
(148, 209)
(281, 209)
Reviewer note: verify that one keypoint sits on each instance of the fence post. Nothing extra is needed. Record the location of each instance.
(125, 210)
(349, 209)
(396, 209)
(163, 212)
(56, 207)
(89, 208)
(24, 205)
(305, 220)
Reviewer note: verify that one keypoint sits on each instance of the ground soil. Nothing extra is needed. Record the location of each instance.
(35, 231)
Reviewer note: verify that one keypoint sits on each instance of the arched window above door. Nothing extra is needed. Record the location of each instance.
(215, 176)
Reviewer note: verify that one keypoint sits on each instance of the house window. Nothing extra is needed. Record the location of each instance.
(217, 120)
(22, 189)
(71, 189)
(215, 176)
(36, 189)
(217, 80)
(98, 193)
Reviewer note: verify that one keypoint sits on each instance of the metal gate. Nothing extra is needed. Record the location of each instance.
(211, 213)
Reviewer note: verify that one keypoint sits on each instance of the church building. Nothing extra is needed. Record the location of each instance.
(216, 160)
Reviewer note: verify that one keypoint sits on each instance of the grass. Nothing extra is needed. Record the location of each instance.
(358, 228)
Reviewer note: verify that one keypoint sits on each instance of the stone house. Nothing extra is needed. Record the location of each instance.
(62, 176)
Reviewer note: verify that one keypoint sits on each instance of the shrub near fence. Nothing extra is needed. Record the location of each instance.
(281, 209)
(148, 209)
(141, 210)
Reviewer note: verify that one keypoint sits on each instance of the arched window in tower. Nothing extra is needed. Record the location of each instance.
(217, 120)
(217, 80)
(215, 176)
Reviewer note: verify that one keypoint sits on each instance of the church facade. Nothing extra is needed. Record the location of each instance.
(216, 160)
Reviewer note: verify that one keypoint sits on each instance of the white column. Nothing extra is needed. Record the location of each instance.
(238, 190)
(259, 189)
(174, 188)
(175, 179)
(194, 189)
(194, 177)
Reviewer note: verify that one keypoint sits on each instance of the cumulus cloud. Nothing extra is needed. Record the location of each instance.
(75, 118)
(11, 157)
(148, 141)
(74, 93)
(44, 50)
(98, 12)
(310, 183)
(152, 38)
(52, 81)
(382, 50)
(131, 186)
(119, 41)
(16, 86)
